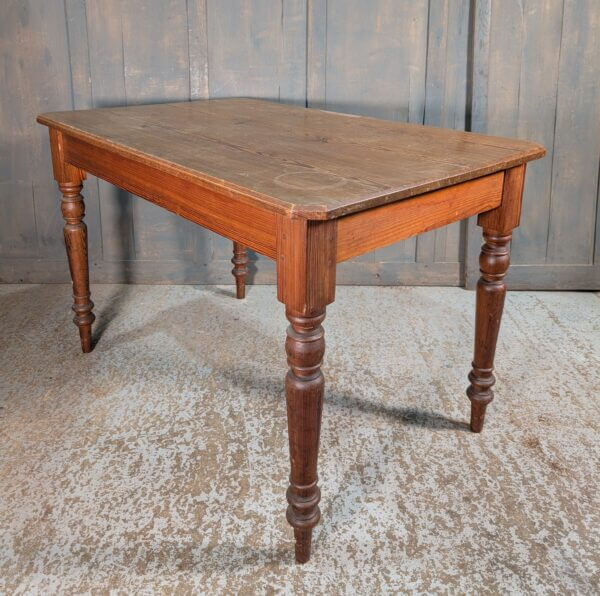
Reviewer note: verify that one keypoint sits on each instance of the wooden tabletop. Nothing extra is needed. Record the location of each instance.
(316, 164)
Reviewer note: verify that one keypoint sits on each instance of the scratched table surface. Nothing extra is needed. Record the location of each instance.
(292, 159)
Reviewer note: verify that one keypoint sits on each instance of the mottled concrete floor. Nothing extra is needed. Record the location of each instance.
(158, 463)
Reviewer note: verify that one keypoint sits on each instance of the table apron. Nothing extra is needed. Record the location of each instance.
(223, 213)
(231, 216)
(381, 226)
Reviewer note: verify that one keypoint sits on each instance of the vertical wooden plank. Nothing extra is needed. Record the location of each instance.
(523, 68)
(577, 138)
(18, 236)
(292, 68)
(375, 66)
(447, 48)
(198, 48)
(79, 57)
(376, 58)
(245, 48)
(157, 70)
(50, 90)
(542, 31)
(105, 42)
(36, 62)
(316, 53)
(597, 241)
(479, 75)
(453, 110)
(256, 50)
(198, 65)
(445, 102)
(81, 85)
(506, 40)
(477, 91)
(157, 62)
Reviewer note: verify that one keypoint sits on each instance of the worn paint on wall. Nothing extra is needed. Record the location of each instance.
(525, 68)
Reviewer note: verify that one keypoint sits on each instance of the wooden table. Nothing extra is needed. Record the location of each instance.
(309, 189)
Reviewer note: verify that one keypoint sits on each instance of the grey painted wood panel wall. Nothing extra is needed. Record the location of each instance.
(526, 68)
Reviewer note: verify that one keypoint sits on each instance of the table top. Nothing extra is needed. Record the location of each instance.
(313, 163)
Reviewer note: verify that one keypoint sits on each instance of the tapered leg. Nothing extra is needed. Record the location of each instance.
(70, 179)
(304, 385)
(306, 252)
(75, 232)
(240, 260)
(491, 290)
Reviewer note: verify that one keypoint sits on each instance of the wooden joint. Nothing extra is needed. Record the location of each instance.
(64, 172)
(506, 217)
(306, 262)
(384, 225)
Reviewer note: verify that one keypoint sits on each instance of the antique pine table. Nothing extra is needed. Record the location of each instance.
(309, 189)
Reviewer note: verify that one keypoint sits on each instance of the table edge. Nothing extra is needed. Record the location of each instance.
(311, 211)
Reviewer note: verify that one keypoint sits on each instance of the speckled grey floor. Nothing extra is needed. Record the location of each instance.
(158, 463)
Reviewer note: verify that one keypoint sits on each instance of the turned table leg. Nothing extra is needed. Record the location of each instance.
(305, 284)
(240, 260)
(304, 386)
(75, 231)
(491, 290)
(70, 181)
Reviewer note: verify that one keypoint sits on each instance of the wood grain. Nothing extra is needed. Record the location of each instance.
(305, 284)
(108, 86)
(157, 72)
(540, 58)
(70, 181)
(506, 217)
(315, 164)
(381, 226)
(445, 105)
(306, 258)
(35, 78)
(210, 206)
(577, 138)
(494, 260)
(240, 269)
(529, 89)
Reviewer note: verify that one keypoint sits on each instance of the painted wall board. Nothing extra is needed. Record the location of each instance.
(525, 68)
(535, 75)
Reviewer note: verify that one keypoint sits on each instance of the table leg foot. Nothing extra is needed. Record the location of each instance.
(240, 270)
(477, 414)
(303, 542)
